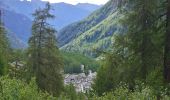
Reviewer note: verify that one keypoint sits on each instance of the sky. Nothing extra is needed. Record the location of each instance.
(99, 2)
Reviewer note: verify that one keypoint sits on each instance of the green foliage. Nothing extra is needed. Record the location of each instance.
(136, 57)
(13, 89)
(73, 31)
(3, 65)
(4, 50)
(17, 64)
(18, 55)
(73, 62)
(141, 35)
(44, 59)
(70, 93)
(93, 34)
(105, 76)
(137, 52)
(140, 92)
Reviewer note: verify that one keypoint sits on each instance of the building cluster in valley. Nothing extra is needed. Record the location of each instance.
(81, 82)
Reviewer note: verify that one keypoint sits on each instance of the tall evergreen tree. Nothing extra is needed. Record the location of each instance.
(140, 34)
(4, 47)
(44, 57)
(106, 75)
(136, 52)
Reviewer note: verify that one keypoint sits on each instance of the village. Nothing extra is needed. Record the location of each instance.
(81, 82)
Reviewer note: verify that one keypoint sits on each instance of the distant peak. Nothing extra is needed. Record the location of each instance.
(35, 0)
(84, 4)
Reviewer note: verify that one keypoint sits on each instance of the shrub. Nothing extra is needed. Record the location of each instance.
(141, 92)
(13, 89)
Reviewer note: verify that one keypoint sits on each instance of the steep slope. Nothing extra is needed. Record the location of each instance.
(94, 33)
(18, 17)
(18, 24)
(15, 41)
(18, 28)
(70, 32)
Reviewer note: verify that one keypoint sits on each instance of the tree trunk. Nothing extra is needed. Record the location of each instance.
(167, 46)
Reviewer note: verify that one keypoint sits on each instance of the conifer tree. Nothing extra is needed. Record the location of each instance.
(105, 80)
(4, 47)
(135, 52)
(44, 58)
(140, 17)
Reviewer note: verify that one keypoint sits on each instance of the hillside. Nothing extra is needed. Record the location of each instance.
(15, 41)
(18, 23)
(18, 16)
(73, 61)
(93, 33)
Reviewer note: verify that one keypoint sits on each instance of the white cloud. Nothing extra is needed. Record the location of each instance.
(79, 1)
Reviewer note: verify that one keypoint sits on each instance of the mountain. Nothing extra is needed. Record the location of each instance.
(18, 16)
(17, 24)
(15, 41)
(65, 13)
(18, 28)
(87, 6)
(93, 33)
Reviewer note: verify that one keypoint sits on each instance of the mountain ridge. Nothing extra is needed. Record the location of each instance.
(94, 33)
(74, 27)
(65, 14)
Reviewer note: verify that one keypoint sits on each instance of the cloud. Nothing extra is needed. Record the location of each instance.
(99, 2)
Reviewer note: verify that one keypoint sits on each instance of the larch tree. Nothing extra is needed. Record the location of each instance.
(44, 58)
(134, 50)
(4, 47)
(140, 31)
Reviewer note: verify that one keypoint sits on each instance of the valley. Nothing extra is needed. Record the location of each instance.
(65, 14)
(84, 50)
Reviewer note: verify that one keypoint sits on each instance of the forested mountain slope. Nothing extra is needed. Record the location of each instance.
(17, 16)
(93, 33)
(18, 24)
